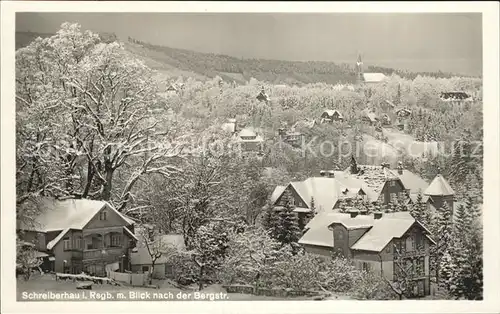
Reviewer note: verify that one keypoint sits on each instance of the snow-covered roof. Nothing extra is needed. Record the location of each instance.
(331, 112)
(326, 191)
(439, 187)
(247, 132)
(73, 214)
(64, 215)
(141, 256)
(278, 190)
(373, 77)
(378, 234)
(412, 182)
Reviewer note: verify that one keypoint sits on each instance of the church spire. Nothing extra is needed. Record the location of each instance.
(359, 69)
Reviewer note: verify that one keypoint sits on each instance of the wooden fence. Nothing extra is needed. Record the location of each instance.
(132, 279)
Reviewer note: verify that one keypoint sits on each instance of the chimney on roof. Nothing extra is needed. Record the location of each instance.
(353, 212)
(400, 167)
(331, 174)
(322, 173)
(377, 215)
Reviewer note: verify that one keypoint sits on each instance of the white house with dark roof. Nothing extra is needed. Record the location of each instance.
(81, 235)
(379, 242)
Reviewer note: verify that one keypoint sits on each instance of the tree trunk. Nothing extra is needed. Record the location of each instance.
(106, 192)
(200, 280)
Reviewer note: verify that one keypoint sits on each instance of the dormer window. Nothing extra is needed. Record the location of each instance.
(103, 215)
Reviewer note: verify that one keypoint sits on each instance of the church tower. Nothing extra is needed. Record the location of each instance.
(359, 70)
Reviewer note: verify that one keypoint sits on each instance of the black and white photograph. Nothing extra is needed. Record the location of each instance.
(249, 156)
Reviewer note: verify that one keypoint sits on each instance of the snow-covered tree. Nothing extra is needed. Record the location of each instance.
(287, 228)
(26, 258)
(209, 249)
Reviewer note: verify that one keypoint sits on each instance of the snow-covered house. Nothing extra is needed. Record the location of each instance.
(80, 235)
(331, 115)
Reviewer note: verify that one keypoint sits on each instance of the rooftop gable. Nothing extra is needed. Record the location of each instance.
(58, 215)
(439, 187)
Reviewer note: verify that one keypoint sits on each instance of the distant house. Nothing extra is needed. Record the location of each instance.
(439, 192)
(325, 191)
(251, 139)
(331, 115)
(262, 96)
(293, 138)
(403, 112)
(386, 120)
(382, 181)
(369, 116)
(374, 243)
(304, 124)
(457, 97)
(167, 244)
(230, 126)
(172, 89)
(368, 78)
(81, 235)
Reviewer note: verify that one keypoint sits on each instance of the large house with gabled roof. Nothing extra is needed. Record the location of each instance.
(80, 235)
(382, 243)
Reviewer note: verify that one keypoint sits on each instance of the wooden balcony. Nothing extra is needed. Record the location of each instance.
(102, 253)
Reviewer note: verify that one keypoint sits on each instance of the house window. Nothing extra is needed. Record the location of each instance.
(392, 183)
(419, 241)
(116, 239)
(145, 269)
(67, 244)
(388, 249)
(410, 244)
(393, 197)
(365, 266)
(102, 215)
(78, 243)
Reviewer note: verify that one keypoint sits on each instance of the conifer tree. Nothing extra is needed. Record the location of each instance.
(287, 228)
(270, 220)
(443, 237)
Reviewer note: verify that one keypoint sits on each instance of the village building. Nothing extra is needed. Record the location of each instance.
(263, 96)
(455, 97)
(230, 126)
(321, 193)
(162, 245)
(386, 119)
(440, 192)
(251, 139)
(172, 89)
(381, 243)
(304, 124)
(331, 115)
(368, 79)
(291, 137)
(81, 235)
(367, 115)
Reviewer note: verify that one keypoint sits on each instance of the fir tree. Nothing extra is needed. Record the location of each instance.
(270, 220)
(443, 236)
(287, 228)
(446, 270)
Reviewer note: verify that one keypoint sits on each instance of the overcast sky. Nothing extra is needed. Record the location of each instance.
(417, 41)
